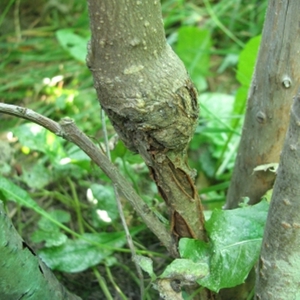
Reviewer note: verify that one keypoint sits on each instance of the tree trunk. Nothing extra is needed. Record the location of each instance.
(23, 274)
(145, 90)
(278, 275)
(269, 100)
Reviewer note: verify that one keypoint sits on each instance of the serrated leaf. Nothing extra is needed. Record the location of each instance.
(185, 270)
(146, 264)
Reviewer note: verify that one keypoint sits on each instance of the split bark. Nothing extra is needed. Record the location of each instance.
(146, 92)
(269, 101)
(278, 274)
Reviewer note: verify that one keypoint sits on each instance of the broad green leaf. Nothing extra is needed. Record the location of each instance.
(49, 231)
(235, 241)
(197, 251)
(51, 238)
(58, 215)
(185, 270)
(236, 237)
(146, 264)
(193, 47)
(75, 44)
(37, 176)
(78, 255)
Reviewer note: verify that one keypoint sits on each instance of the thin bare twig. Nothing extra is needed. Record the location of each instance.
(121, 213)
(67, 129)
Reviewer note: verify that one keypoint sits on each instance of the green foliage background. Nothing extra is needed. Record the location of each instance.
(62, 202)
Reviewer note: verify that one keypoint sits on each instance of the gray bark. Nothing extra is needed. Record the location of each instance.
(278, 275)
(146, 92)
(23, 275)
(273, 86)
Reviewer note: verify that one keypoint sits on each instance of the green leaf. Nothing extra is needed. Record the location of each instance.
(77, 157)
(216, 110)
(52, 238)
(240, 100)
(49, 231)
(236, 236)
(247, 61)
(78, 255)
(194, 249)
(193, 47)
(10, 191)
(39, 139)
(244, 73)
(146, 264)
(37, 176)
(75, 44)
(235, 241)
(185, 270)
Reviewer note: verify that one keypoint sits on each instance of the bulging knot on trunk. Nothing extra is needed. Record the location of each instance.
(152, 105)
(159, 126)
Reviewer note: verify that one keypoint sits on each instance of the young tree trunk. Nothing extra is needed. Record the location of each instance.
(273, 86)
(278, 275)
(145, 90)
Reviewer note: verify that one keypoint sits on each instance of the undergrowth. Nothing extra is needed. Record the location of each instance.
(70, 202)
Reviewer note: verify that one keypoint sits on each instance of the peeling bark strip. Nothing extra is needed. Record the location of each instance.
(147, 94)
(274, 83)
